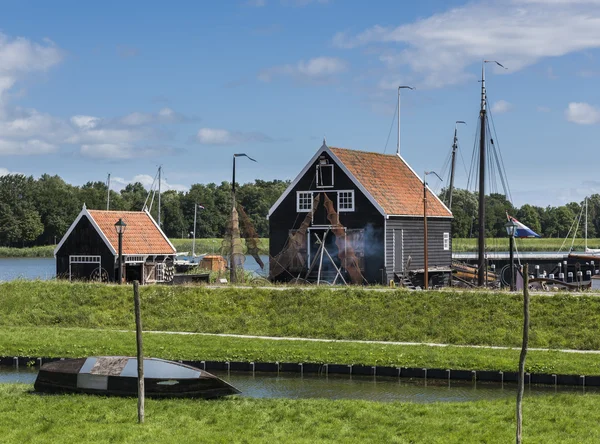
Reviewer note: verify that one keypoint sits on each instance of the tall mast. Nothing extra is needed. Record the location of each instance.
(159, 173)
(108, 193)
(452, 169)
(482, 154)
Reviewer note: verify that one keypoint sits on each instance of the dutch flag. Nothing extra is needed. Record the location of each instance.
(200, 207)
(522, 230)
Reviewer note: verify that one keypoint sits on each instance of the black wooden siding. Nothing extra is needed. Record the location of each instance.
(84, 240)
(365, 216)
(408, 232)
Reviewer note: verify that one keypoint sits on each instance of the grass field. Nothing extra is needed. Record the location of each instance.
(76, 342)
(543, 244)
(26, 417)
(479, 318)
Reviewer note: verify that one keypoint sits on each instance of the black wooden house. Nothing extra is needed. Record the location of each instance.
(89, 249)
(367, 210)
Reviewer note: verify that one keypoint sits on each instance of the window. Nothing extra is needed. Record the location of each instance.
(324, 174)
(304, 201)
(346, 200)
(446, 241)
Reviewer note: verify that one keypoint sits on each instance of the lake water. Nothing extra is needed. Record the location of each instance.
(45, 268)
(381, 389)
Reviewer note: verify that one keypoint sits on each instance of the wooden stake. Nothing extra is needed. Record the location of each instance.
(140, 351)
(521, 385)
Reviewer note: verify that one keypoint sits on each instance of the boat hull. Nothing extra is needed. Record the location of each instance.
(113, 376)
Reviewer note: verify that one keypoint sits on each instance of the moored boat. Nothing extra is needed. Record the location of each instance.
(117, 376)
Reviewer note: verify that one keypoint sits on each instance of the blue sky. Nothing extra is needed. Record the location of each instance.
(122, 87)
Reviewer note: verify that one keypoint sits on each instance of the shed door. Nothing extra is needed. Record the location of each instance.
(398, 248)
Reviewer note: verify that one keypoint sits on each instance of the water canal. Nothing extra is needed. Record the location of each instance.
(381, 389)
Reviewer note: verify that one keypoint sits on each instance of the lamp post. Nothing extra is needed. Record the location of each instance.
(120, 229)
(398, 143)
(510, 230)
(425, 246)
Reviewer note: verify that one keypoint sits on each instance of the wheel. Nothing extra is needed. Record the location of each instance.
(99, 275)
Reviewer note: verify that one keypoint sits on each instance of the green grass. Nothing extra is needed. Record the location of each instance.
(25, 417)
(43, 251)
(543, 244)
(481, 318)
(73, 343)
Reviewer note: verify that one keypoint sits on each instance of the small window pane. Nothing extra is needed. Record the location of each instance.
(346, 201)
(304, 201)
(446, 241)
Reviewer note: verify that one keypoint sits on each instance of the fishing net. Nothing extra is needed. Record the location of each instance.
(291, 252)
(251, 236)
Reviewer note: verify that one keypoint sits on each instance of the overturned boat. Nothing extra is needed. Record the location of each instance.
(117, 376)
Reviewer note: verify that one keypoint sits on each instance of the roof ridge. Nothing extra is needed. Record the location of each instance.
(362, 151)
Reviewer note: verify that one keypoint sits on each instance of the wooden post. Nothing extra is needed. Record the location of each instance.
(521, 380)
(140, 351)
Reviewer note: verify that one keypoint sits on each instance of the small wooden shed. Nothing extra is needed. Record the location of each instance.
(89, 249)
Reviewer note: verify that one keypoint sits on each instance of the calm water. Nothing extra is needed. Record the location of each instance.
(45, 268)
(382, 389)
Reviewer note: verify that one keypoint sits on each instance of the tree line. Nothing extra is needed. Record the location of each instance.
(550, 221)
(40, 211)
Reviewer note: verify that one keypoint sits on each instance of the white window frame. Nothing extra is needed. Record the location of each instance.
(320, 170)
(304, 193)
(446, 241)
(346, 210)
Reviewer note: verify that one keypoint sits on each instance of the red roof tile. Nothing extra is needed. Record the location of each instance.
(391, 182)
(141, 236)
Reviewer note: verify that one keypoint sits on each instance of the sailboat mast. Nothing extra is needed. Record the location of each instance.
(586, 208)
(482, 155)
(159, 174)
(452, 169)
(108, 193)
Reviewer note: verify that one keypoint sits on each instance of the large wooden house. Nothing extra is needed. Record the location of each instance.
(367, 210)
(89, 249)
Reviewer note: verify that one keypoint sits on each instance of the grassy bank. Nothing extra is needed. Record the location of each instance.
(181, 245)
(25, 417)
(480, 318)
(543, 244)
(72, 343)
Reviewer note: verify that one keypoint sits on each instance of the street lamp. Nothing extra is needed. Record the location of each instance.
(511, 227)
(425, 246)
(120, 229)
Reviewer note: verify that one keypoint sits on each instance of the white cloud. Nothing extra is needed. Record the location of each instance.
(119, 151)
(439, 49)
(30, 147)
(165, 115)
(216, 136)
(582, 113)
(85, 122)
(21, 56)
(316, 69)
(501, 106)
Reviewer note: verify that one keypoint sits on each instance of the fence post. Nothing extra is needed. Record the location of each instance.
(521, 385)
(140, 351)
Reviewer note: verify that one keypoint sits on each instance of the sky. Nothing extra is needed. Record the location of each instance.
(91, 88)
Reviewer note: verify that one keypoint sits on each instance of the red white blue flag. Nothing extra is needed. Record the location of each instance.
(522, 230)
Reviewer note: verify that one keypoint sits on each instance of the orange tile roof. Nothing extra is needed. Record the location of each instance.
(141, 235)
(391, 182)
